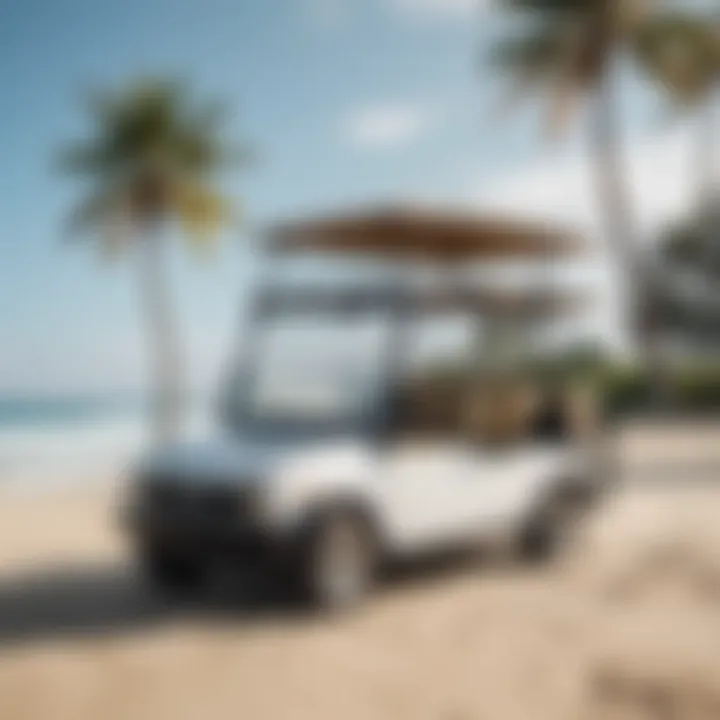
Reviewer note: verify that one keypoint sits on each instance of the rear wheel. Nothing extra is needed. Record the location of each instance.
(338, 560)
(553, 526)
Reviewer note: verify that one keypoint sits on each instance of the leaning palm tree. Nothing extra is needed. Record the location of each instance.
(149, 165)
(568, 49)
(571, 49)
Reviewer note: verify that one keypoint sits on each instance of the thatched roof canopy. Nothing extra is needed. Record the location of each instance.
(421, 234)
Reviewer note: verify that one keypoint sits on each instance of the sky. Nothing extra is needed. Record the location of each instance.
(344, 102)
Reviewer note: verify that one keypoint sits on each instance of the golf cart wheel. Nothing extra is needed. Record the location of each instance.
(171, 572)
(338, 560)
(552, 527)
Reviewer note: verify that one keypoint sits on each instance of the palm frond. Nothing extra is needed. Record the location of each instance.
(555, 57)
(680, 52)
(149, 139)
(202, 212)
(103, 214)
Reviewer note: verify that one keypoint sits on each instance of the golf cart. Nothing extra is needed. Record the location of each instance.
(328, 470)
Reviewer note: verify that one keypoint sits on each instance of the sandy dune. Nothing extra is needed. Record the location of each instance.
(626, 626)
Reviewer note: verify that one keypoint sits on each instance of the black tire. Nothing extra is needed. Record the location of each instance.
(338, 560)
(553, 525)
(537, 543)
(171, 572)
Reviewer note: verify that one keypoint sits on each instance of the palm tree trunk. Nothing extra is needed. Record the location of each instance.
(167, 387)
(632, 270)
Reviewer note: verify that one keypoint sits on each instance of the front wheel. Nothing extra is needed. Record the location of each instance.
(171, 572)
(338, 561)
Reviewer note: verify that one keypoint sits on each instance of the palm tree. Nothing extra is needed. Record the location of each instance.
(568, 49)
(149, 163)
(571, 49)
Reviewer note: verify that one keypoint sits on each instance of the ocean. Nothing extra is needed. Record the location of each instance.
(48, 441)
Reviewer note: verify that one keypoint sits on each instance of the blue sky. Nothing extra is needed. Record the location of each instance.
(345, 101)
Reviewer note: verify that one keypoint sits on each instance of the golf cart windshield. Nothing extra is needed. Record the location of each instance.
(309, 372)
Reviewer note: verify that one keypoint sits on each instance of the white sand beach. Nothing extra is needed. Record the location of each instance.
(626, 625)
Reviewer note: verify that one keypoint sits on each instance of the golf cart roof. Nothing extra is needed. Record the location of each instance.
(418, 233)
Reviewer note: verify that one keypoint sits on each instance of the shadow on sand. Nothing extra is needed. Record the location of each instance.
(55, 602)
(106, 599)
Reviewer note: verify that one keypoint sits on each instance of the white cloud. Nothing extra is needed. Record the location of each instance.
(439, 8)
(386, 126)
(334, 14)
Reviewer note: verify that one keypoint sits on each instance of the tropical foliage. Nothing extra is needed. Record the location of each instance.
(686, 296)
(150, 162)
(570, 49)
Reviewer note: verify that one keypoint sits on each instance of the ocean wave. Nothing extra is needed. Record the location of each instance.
(49, 453)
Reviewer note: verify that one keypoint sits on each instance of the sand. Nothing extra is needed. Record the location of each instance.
(625, 625)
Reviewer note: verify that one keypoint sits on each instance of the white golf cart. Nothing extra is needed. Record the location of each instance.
(327, 470)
